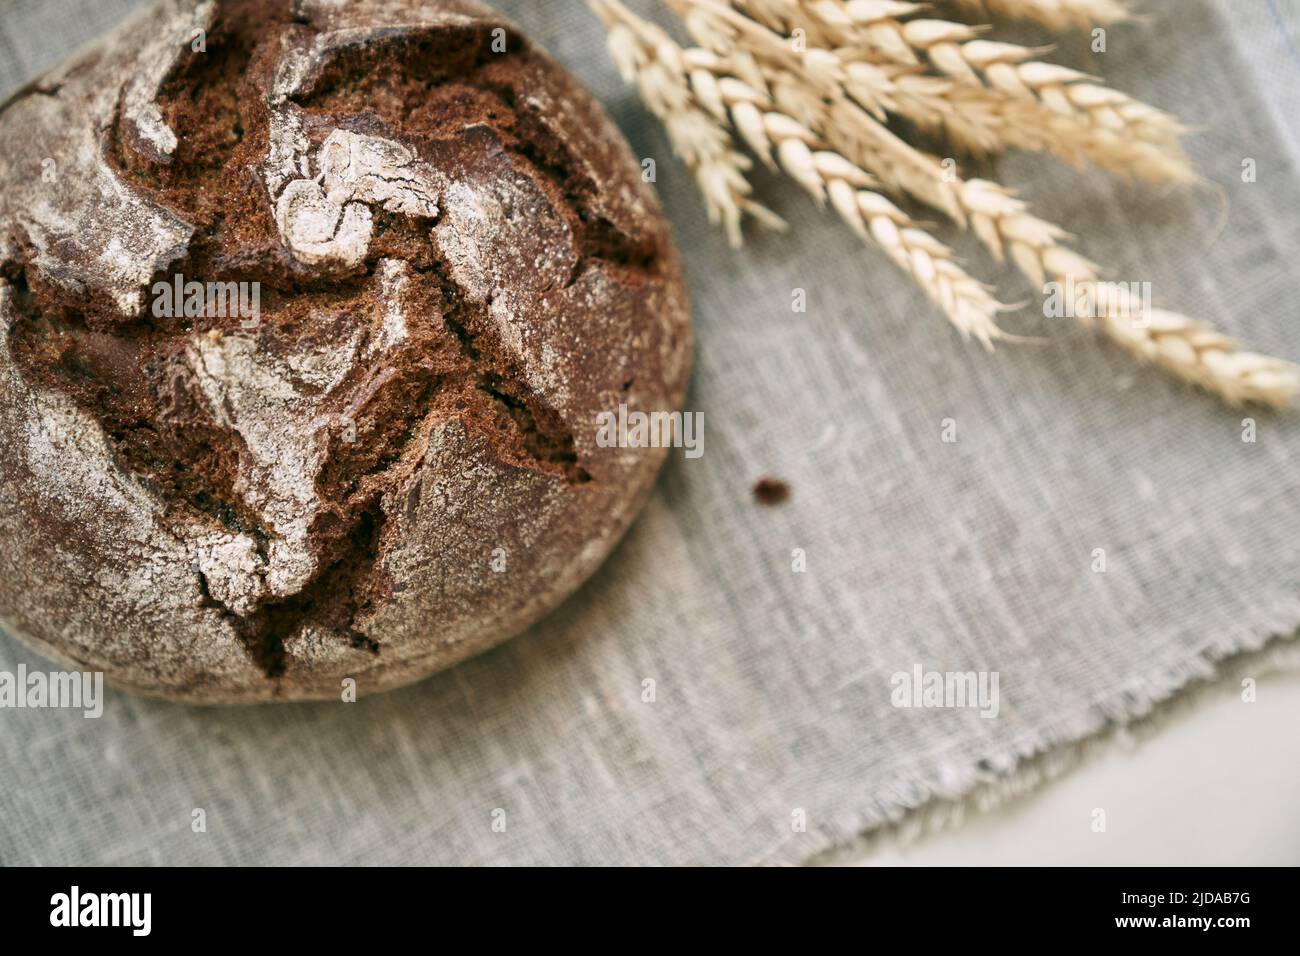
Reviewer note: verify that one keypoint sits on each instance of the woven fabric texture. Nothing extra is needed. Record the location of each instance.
(772, 686)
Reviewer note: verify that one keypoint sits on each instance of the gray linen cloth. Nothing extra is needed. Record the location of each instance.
(772, 688)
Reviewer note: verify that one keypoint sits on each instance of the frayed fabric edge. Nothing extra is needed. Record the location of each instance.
(910, 810)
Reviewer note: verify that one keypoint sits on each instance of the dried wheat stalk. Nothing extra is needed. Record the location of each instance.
(999, 94)
(1176, 343)
(820, 115)
(643, 50)
(719, 170)
(956, 50)
(1187, 348)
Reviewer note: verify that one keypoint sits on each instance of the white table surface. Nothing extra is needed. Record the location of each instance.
(1218, 784)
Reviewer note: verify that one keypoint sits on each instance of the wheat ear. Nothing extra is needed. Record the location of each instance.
(782, 141)
(956, 50)
(785, 103)
(698, 140)
(1180, 345)
(1058, 15)
(1000, 94)
(1187, 348)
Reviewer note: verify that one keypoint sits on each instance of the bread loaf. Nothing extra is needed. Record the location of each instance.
(309, 310)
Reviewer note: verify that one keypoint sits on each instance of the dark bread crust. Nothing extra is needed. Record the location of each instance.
(459, 269)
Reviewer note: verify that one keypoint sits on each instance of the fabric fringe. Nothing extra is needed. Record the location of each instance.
(909, 811)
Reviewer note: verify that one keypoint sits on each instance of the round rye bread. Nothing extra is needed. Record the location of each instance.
(309, 312)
